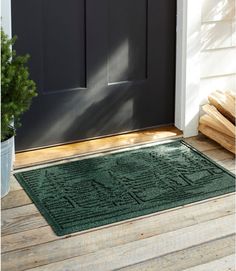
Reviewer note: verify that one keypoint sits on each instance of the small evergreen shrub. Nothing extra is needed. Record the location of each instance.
(17, 90)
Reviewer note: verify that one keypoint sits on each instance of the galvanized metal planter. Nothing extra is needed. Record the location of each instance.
(6, 165)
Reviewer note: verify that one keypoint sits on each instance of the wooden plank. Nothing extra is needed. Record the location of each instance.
(128, 231)
(224, 264)
(224, 104)
(57, 153)
(119, 256)
(14, 185)
(228, 163)
(213, 150)
(188, 258)
(215, 114)
(224, 140)
(219, 155)
(215, 124)
(21, 219)
(15, 198)
(202, 143)
(231, 94)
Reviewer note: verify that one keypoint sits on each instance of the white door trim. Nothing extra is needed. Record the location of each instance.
(188, 48)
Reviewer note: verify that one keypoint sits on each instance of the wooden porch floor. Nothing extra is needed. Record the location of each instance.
(196, 237)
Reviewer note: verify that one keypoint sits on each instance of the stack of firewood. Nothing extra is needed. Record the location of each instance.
(218, 122)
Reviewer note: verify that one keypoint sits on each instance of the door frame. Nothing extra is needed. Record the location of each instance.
(188, 47)
(188, 26)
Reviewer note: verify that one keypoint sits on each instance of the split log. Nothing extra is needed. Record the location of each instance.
(224, 140)
(225, 104)
(219, 121)
(215, 124)
(215, 114)
(231, 94)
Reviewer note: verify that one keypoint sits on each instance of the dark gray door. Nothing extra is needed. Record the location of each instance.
(101, 66)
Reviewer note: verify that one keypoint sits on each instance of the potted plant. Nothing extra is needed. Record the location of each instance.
(17, 91)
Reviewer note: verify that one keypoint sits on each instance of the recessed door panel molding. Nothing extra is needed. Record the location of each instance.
(55, 37)
(64, 41)
(27, 24)
(127, 40)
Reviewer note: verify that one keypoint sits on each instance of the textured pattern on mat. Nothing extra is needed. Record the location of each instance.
(96, 191)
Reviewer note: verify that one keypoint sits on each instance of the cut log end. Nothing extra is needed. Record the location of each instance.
(224, 140)
(219, 121)
(224, 103)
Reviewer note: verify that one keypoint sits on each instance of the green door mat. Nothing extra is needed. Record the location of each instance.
(97, 191)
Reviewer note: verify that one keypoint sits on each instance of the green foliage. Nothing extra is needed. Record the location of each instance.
(17, 90)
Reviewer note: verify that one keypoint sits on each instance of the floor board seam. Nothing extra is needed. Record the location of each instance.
(76, 235)
(163, 255)
(195, 246)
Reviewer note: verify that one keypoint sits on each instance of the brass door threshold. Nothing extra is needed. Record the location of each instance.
(72, 150)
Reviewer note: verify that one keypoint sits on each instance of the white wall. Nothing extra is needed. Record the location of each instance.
(218, 47)
(206, 56)
(6, 16)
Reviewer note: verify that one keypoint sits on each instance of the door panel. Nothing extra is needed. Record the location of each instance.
(127, 29)
(101, 67)
(63, 27)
